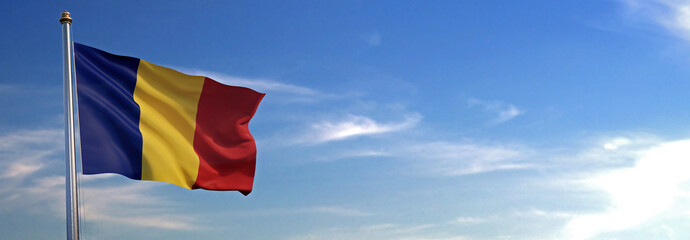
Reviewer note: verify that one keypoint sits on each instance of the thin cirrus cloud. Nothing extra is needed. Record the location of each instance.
(335, 211)
(381, 231)
(443, 158)
(467, 220)
(281, 93)
(646, 190)
(338, 211)
(6, 88)
(449, 158)
(19, 170)
(129, 204)
(132, 204)
(24, 152)
(502, 112)
(373, 39)
(28, 157)
(353, 126)
(673, 15)
(263, 85)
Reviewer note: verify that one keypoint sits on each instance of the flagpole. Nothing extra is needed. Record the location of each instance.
(70, 147)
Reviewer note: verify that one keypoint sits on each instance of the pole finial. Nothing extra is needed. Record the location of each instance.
(65, 17)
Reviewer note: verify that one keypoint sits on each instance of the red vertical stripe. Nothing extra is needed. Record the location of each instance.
(226, 149)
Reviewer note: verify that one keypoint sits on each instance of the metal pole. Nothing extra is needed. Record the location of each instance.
(70, 147)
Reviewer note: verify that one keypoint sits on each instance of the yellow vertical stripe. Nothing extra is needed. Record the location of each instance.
(168, 101)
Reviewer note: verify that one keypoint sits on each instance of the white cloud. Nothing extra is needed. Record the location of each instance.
(338, 211)
(132, 204)
(383, 231)
(673, 15)
(281, 93)
(353, 153)
(18, 170)
(326, 210)
(97, 177)
(507, 113)
(24, 186)
(637, 193)
(616, 143)
(27, 90)
(262, 85)
(373, 39)
(467, 220)
(25, 152)
(446, 159)
(353, 126)
(503, 112)
(543, 214)
(4, 88)
(456, 159)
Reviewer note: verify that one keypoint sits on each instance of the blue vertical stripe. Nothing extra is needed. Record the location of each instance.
(108, 115)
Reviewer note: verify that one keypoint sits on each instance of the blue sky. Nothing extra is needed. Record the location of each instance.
(462, 120)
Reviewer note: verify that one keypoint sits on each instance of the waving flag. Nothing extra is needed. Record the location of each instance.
(148, 122)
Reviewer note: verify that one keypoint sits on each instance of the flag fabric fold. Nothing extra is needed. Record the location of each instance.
(148, 122)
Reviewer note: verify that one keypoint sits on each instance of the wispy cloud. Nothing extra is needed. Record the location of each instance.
(382, 231)
(7, 88)
(673, 15)
(132, 204)
(29, 159)
(25, 152)
(611, 152)
(467, 220)
(19, 169)
(353, 126)
(27, 89)
(373, 39)
(262, 85)
(534, 212)
(637, 193)
(446, 158)
(502, 111)
(616, 143)
(128, 205)
(339, 211)
(354, 153)
(456, 159)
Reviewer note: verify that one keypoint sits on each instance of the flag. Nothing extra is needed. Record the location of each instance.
(148, 122)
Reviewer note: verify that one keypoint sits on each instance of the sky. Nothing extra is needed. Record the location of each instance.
(440, 120)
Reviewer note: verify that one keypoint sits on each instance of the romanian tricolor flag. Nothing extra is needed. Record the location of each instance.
(148, 122)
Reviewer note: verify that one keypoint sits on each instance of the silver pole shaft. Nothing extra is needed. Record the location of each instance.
(70, 147)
